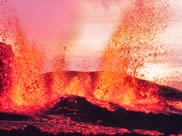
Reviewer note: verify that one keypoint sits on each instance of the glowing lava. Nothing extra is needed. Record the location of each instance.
(27, 93)
(133, 42)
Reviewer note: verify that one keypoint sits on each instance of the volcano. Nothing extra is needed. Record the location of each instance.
(76, 110)
(112, 101)
(75, 115)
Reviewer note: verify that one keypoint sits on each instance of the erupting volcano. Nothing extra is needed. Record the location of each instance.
(117, 100)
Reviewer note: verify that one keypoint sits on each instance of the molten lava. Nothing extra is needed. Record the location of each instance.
(27, 92)
(134, 42)
(130, 45)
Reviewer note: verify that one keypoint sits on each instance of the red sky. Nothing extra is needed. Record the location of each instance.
(88, 24)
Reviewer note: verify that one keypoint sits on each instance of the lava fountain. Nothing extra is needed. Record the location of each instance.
(133, 42)
(26, 92)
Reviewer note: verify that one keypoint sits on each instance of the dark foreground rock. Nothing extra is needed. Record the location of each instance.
(84, 111)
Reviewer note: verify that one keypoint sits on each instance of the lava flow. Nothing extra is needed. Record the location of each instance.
(133, 42)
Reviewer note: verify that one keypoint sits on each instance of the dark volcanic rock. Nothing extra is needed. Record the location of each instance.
(6, 58)
(14, 117)
(79, 109)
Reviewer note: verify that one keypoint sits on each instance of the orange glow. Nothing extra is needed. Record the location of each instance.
(127, 50)
(27, 93)
(134, 41)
